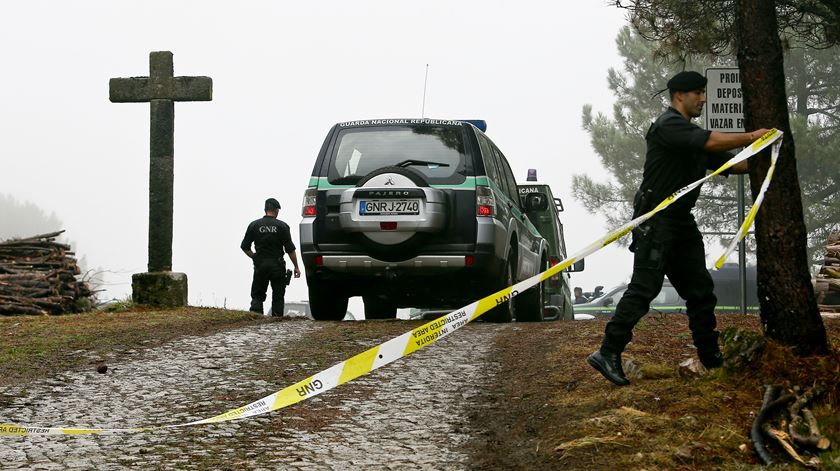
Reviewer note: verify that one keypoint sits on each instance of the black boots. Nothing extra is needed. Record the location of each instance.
(609, 365)
(710, 359)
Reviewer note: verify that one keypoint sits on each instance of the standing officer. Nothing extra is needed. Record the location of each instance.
(270, 237)
(678, 153)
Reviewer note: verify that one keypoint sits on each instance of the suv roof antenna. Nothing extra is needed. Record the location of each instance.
(425, 81)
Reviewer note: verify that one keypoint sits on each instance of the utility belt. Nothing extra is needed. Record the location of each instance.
(261, 259)
(266, 256)
(644, 202)
(281, 262)
(641, 201)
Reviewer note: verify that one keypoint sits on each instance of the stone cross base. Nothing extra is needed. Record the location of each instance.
(164, 288)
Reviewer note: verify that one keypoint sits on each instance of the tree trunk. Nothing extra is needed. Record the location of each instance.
(789, 311)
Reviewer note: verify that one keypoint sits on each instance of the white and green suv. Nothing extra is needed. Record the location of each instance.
(416, 213)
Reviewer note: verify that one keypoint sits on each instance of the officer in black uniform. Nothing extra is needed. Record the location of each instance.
(678, 153)
(270, 237)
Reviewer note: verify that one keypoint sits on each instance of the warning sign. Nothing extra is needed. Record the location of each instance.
(724, 103)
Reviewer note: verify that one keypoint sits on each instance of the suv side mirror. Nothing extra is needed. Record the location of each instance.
(536, 202)
(577, 266)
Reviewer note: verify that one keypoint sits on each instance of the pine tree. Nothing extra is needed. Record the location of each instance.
(753, 30)
(814, 101)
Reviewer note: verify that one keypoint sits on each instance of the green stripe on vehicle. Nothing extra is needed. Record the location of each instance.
(680, 307)
(323, 183)
(468, 184)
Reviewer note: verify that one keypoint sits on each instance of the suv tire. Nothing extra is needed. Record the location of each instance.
(376, 308)
(325, 303)
(506, 311)
(529, 305)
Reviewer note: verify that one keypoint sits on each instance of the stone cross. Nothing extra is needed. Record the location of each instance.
(161, 89)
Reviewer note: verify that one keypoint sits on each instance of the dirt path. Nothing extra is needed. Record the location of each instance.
(414, 414)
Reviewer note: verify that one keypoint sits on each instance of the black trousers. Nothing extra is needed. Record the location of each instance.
(670, 248)
(268, 270)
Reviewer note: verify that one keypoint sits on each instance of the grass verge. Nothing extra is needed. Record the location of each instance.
(553, 411)
(34, 347)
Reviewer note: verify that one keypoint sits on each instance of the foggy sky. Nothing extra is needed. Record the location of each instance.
(283, 74)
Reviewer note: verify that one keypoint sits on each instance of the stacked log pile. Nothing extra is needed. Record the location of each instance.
(38, 276)
(827, 282)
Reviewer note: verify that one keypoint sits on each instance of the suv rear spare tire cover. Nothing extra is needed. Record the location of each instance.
(409, 233)
(413, 176)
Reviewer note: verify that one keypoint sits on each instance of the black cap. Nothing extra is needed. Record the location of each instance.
(271, 204)
(686, 81)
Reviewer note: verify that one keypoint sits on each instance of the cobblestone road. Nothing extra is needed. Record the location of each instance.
(412, 414)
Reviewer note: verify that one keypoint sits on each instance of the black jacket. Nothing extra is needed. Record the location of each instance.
(270, 237)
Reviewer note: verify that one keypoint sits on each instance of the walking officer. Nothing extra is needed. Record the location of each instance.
(270, 237)
(678, 153)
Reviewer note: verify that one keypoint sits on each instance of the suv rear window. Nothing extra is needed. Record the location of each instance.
(359, 151)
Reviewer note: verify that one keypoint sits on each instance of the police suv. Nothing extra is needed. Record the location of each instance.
(416, 213)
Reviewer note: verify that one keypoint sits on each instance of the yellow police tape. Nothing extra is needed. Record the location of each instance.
(745, 226)
(414, 340)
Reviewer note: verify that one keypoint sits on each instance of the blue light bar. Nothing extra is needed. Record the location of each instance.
(479, 123)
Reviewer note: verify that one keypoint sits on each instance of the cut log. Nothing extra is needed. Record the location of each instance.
(784, 440)
(15, 310)
(804, 430)
(768, 404)
(822, 443)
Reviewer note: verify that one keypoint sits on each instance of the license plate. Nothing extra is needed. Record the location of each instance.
(389, 207)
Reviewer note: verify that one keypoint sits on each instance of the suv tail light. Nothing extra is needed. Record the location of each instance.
(485, 202)
(554, 280)
(309, 202)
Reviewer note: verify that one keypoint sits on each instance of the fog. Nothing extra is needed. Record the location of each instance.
(283, 74)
